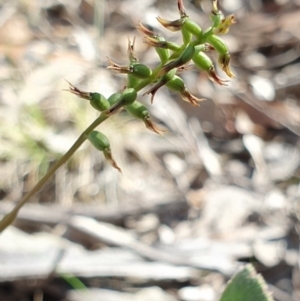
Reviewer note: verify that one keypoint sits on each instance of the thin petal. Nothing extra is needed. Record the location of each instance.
(78, 92)
(170, 25)
(152, 127)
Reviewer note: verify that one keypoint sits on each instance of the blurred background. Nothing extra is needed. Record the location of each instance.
(219, 189)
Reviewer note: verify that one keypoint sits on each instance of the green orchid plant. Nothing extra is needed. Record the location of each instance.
(173, 61)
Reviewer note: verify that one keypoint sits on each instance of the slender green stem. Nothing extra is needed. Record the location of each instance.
(10, 217)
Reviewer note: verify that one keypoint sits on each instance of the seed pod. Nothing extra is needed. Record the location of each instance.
(99, 102)
(184, 58)
(203, 62)
(99, 140)
(140, 71)
(139, 111)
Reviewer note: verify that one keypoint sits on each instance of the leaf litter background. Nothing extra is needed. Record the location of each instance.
(220, 189)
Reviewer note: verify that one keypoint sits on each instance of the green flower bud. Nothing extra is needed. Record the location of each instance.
(99, 140)
(128, 96)
(224, 57)
(114, 98)
(99, 102)
(141, 71)
(184, 58)
(203, 62)
(192, 27)
(168, 76)
(218, 44)
(139, 111)
(178, 85)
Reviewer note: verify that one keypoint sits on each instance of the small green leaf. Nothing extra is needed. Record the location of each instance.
(247, 285)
